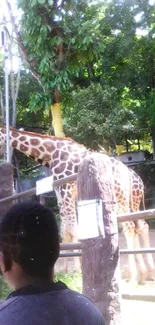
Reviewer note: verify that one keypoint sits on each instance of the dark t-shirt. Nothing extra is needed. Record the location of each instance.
(56, 305)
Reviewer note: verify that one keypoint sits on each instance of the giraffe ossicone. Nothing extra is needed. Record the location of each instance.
(63, 156)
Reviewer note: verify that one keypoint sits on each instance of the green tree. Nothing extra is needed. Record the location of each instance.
(128, 63)
(101, 120)
(27, 115)
(59, 40)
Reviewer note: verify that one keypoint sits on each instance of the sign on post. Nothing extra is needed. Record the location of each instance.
(90, 219)
(44, 185)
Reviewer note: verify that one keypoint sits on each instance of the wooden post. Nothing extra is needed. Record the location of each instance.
(6, 185)
(100, 256)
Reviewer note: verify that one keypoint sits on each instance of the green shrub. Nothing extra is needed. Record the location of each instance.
(4, 289)
(73, 281)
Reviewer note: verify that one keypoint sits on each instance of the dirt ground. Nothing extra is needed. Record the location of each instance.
(137, 313)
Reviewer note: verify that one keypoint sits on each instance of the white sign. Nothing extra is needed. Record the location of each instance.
(90, 219)
(44, 185)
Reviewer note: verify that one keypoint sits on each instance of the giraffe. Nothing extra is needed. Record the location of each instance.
(63, 156)
(141, 227)
(133, 229)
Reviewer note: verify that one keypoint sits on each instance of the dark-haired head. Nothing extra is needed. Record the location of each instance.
(29, 241)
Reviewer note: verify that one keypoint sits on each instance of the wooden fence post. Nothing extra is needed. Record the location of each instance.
(100, 256)
(6, 185)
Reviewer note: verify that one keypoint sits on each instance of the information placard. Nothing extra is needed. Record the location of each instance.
(44, 185)
(90, 219)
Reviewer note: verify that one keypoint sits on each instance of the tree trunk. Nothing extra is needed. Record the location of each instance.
(57, 120)
(56, 108)
(14, 95)
(100, 256)
(14, 89)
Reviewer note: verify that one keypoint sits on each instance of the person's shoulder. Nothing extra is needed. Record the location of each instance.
(7, 303)
(7, 311)
(56, 303)
(79, 303)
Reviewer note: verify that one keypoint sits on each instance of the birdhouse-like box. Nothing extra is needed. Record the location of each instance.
(133, 156)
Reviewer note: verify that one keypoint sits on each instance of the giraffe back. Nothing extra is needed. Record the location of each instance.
(121, 185)
(137, 191)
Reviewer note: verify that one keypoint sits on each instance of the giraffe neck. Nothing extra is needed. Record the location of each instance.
(62, 155)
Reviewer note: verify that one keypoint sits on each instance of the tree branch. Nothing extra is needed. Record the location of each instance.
(21, 46)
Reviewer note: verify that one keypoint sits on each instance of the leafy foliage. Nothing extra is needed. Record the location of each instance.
(73, 281)
(27, 114)
(128, 61)
(4, 289)
(92, 116)
(100, 57)
(60, 38)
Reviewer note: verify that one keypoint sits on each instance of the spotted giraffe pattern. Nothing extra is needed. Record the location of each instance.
(63, 156)
(129, 191)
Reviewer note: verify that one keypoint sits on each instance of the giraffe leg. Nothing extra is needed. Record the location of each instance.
(74, 239)
(142, 228)
(129, 233)
(68, 226)
(75, 261)
(140, 261)
(65, 238)
(69, 235)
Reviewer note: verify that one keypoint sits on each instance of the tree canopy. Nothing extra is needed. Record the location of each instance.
(96, 121)
(57, 40)
(98, 57)
(128, 65)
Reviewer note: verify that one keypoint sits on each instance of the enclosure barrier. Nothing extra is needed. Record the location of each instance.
(146, 214)
(32, 191)
(140, 297)
(121, 251)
